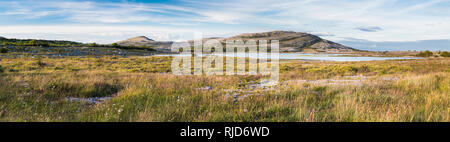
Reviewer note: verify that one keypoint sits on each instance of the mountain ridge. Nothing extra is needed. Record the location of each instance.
(145, 41)
(290, 41)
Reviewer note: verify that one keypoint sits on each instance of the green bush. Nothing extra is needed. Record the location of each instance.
(1, 69)
(445, 54)
(425, 54)
(4, 50)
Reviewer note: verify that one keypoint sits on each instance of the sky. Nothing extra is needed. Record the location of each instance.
(353, 22)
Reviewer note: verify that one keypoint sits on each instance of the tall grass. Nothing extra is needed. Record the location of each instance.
(143, 90)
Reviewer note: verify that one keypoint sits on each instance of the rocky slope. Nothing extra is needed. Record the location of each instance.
(289, 42)
(296, 41)
(144, 41)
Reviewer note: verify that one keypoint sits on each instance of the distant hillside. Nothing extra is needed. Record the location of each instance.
(61, 43)
(142, 41)
(420, 45)
(289, 42)
(296, 41)
(34, 42)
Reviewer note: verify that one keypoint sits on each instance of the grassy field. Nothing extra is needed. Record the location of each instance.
(112, 88)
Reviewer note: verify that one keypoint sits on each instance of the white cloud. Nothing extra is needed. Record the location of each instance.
(401, 20)
(99, 34)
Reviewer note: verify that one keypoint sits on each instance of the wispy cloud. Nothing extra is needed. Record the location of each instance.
(99, 34)
(398, 20)
(369, 29)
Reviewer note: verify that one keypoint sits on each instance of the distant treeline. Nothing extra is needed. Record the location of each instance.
(61, 43)
(33, 42)
(429, 54)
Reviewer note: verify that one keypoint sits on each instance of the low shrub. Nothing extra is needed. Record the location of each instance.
(445, 54)
(4, 50)
(425, 54)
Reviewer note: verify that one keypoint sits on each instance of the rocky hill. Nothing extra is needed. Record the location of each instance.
(144, 41)
(296, 41)
(289, 42)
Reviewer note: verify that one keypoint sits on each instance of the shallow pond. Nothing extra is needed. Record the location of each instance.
(306, 56)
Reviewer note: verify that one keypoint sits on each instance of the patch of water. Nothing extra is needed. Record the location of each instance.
(93, 100)
(303, 56)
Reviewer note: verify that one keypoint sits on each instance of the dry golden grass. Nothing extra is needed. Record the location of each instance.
(142, 89)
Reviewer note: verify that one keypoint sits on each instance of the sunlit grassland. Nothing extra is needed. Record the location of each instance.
(143, 89)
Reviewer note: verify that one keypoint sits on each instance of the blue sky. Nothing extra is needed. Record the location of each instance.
(107, 21)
